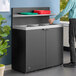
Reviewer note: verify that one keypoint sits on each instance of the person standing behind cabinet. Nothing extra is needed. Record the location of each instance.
(71, 8)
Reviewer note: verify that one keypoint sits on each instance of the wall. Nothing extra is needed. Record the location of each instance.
(53, 4)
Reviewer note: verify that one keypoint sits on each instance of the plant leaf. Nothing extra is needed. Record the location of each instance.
(4, 45)
(4, 35)
(6, 29)
(1, 53)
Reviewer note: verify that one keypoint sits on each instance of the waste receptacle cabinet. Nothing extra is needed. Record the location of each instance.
(37, 49)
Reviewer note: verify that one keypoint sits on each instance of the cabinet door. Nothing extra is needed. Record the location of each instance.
(54, 39)
(35, 50)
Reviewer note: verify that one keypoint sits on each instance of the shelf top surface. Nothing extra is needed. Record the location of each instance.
(23, 27)
(18, 15)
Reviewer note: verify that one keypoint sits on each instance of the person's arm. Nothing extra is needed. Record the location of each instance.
(66, 10)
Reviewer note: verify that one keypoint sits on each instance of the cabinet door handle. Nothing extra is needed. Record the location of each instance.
(43, 29)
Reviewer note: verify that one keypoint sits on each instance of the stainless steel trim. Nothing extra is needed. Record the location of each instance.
(38, 27)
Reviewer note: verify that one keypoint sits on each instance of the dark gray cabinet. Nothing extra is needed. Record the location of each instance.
(36, 49)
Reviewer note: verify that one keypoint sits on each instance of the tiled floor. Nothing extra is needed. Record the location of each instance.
(55, 71)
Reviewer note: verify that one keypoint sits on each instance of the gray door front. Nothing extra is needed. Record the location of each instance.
(54, 39)
(35, 50)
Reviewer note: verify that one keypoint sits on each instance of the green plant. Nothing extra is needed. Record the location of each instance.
(4, 32)
(63, 4)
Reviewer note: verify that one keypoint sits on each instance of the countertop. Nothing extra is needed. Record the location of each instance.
(22, 27)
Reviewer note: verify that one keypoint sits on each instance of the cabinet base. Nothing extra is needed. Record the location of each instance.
(23, 71)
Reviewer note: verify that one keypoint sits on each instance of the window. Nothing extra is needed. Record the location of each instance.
(4, 5)
(63, 4)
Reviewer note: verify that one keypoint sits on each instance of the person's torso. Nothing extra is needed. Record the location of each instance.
(72, 13)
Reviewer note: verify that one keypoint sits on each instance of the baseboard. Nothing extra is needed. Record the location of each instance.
(7, 67)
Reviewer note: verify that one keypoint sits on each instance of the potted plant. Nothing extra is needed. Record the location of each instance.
(4, 32)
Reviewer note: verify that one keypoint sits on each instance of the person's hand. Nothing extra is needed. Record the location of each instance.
(51, 20)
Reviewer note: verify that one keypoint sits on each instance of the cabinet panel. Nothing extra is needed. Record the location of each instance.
(54, 45)
(18, 50)
(35, 50)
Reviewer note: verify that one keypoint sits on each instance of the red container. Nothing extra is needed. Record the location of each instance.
(42, 11)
